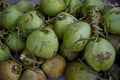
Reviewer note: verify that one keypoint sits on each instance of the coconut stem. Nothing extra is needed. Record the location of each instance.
(1, 45)
(95, 22)
(68, 6)
(33, 62)
(3, 4)
(3, 33)
(27, 67)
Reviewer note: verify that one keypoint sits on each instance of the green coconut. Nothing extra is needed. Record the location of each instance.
(29, 21)
(62, 22)
(111, 20)
(5, 52)
(76, 36)
(78, 71)
(15, 42)
(24, 5)
(73, 7)
(52, 7)
(9, 17)
(100, 54)
(42, 43)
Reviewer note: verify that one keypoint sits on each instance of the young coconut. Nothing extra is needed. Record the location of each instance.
(73, 7)
(78, 71)
(55, 66)
(24, 5)
(29, 21)
(111, 20)
(76, 36)
(33, 75)
(10, 70)
(15, 42)
(9, 17)
(42, 43)
(52, 7)
(62, 22)
(100, 54)
(5, 52)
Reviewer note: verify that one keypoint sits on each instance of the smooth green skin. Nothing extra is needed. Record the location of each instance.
(32, 75)
(111, 20)
(4, 53)
(52, 7)
(73, 7)
(29, 21)
(75, 35)
(15, 42)
(43, 43)
(9, 17)
(24, 5)
(77, 71)
(100, 55)
(89, 3)
(63, 20)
